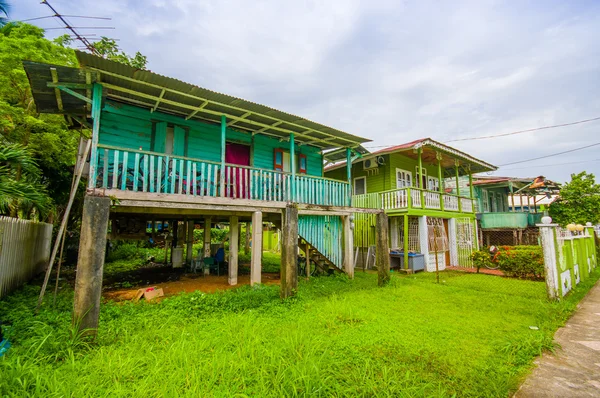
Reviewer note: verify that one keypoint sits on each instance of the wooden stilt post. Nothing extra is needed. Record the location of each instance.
(90, 263)
(256, 255)
(289, 251)
(348, 259)
(307, 254)
(189, 254)
(382, 251)
(247, 240)
(207, 233)
(233, 250)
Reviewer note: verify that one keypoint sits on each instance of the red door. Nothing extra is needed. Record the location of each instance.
(237, 178)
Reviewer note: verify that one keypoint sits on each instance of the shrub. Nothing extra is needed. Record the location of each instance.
(481, 259)
(521, 262)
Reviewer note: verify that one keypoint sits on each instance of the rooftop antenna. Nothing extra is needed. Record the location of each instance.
(82, 38)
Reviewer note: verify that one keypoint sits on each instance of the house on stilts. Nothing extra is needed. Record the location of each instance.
(410, 182)
(162, 149)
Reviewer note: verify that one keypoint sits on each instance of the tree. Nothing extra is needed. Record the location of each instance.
(109, 49)
(578, 202)
(20, 191)
(4, 8)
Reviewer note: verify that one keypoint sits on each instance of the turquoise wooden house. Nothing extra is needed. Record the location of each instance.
(500, 223)
(409, 182)
(162, 149)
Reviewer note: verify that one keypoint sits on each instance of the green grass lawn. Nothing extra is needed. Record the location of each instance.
(468, 336)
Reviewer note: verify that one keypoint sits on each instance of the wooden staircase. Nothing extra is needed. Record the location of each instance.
(323, 264)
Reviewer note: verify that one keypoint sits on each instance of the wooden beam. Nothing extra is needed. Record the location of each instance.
(59, 102)
(191, 115)
(244, 116)
(162, 94)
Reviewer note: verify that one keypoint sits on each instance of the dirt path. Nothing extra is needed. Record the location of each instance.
(190, 283)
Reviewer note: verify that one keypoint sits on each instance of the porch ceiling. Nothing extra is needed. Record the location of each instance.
(155, 92)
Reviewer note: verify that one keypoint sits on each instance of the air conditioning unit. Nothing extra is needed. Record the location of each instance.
(369, 164)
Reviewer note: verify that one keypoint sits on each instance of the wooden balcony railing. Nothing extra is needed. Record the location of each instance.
(414, 198)
(143, 171)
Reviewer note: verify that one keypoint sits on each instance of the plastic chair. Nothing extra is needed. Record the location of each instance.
(208, 263)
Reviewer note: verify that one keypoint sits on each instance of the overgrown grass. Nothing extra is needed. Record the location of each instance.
(468, 336)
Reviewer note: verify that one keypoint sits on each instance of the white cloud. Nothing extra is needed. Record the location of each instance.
(388, 70)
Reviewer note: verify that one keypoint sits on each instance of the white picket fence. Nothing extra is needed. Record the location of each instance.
(24, 251)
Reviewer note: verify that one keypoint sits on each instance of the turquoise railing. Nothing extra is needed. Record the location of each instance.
(324, 233)
(143, 171)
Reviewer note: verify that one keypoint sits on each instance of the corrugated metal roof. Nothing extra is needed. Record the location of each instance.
(143, 88)
(430, 150)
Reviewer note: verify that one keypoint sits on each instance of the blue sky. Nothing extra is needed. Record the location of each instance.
(393, 71)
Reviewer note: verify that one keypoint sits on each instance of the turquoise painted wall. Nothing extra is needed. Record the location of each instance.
(134, 128)
(501, 196)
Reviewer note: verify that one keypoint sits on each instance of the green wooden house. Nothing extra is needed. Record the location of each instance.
(162, 149)
(409, 182)
(500, 221)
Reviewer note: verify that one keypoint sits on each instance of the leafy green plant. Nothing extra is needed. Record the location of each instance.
(481, 259)
(527, 262)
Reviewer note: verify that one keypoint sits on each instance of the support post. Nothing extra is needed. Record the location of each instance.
(421, 185)
(96, 111)
(453, 242)
(289, 251)
(394, 232)
(223, 146)
(548, 237)
(405, 243)
(247, 240)
(382, 249)
(424, 240)
(256, 256)
(348, 258)
(207, 236)
(189, 251)
(90, 263)
(233, 250)
(512, 196)
(458, 187)
(440, 180)
(293, 167)
(470, 184)
(349, 174)
(307, 254)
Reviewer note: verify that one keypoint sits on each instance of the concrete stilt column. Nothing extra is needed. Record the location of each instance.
(189, 251)
(256, 255)
(548, 237)
(90, 262)
(453, 242)
(424, 243)
(207, 236)
(382, 249)
(289, 251)
(233, 250)
(348, 257)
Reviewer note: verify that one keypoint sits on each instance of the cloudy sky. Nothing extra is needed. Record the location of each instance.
(393, 71)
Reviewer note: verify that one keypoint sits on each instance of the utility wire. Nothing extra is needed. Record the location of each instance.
(525, 131)
(552, 165)
(554, 154)
(507, 134)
